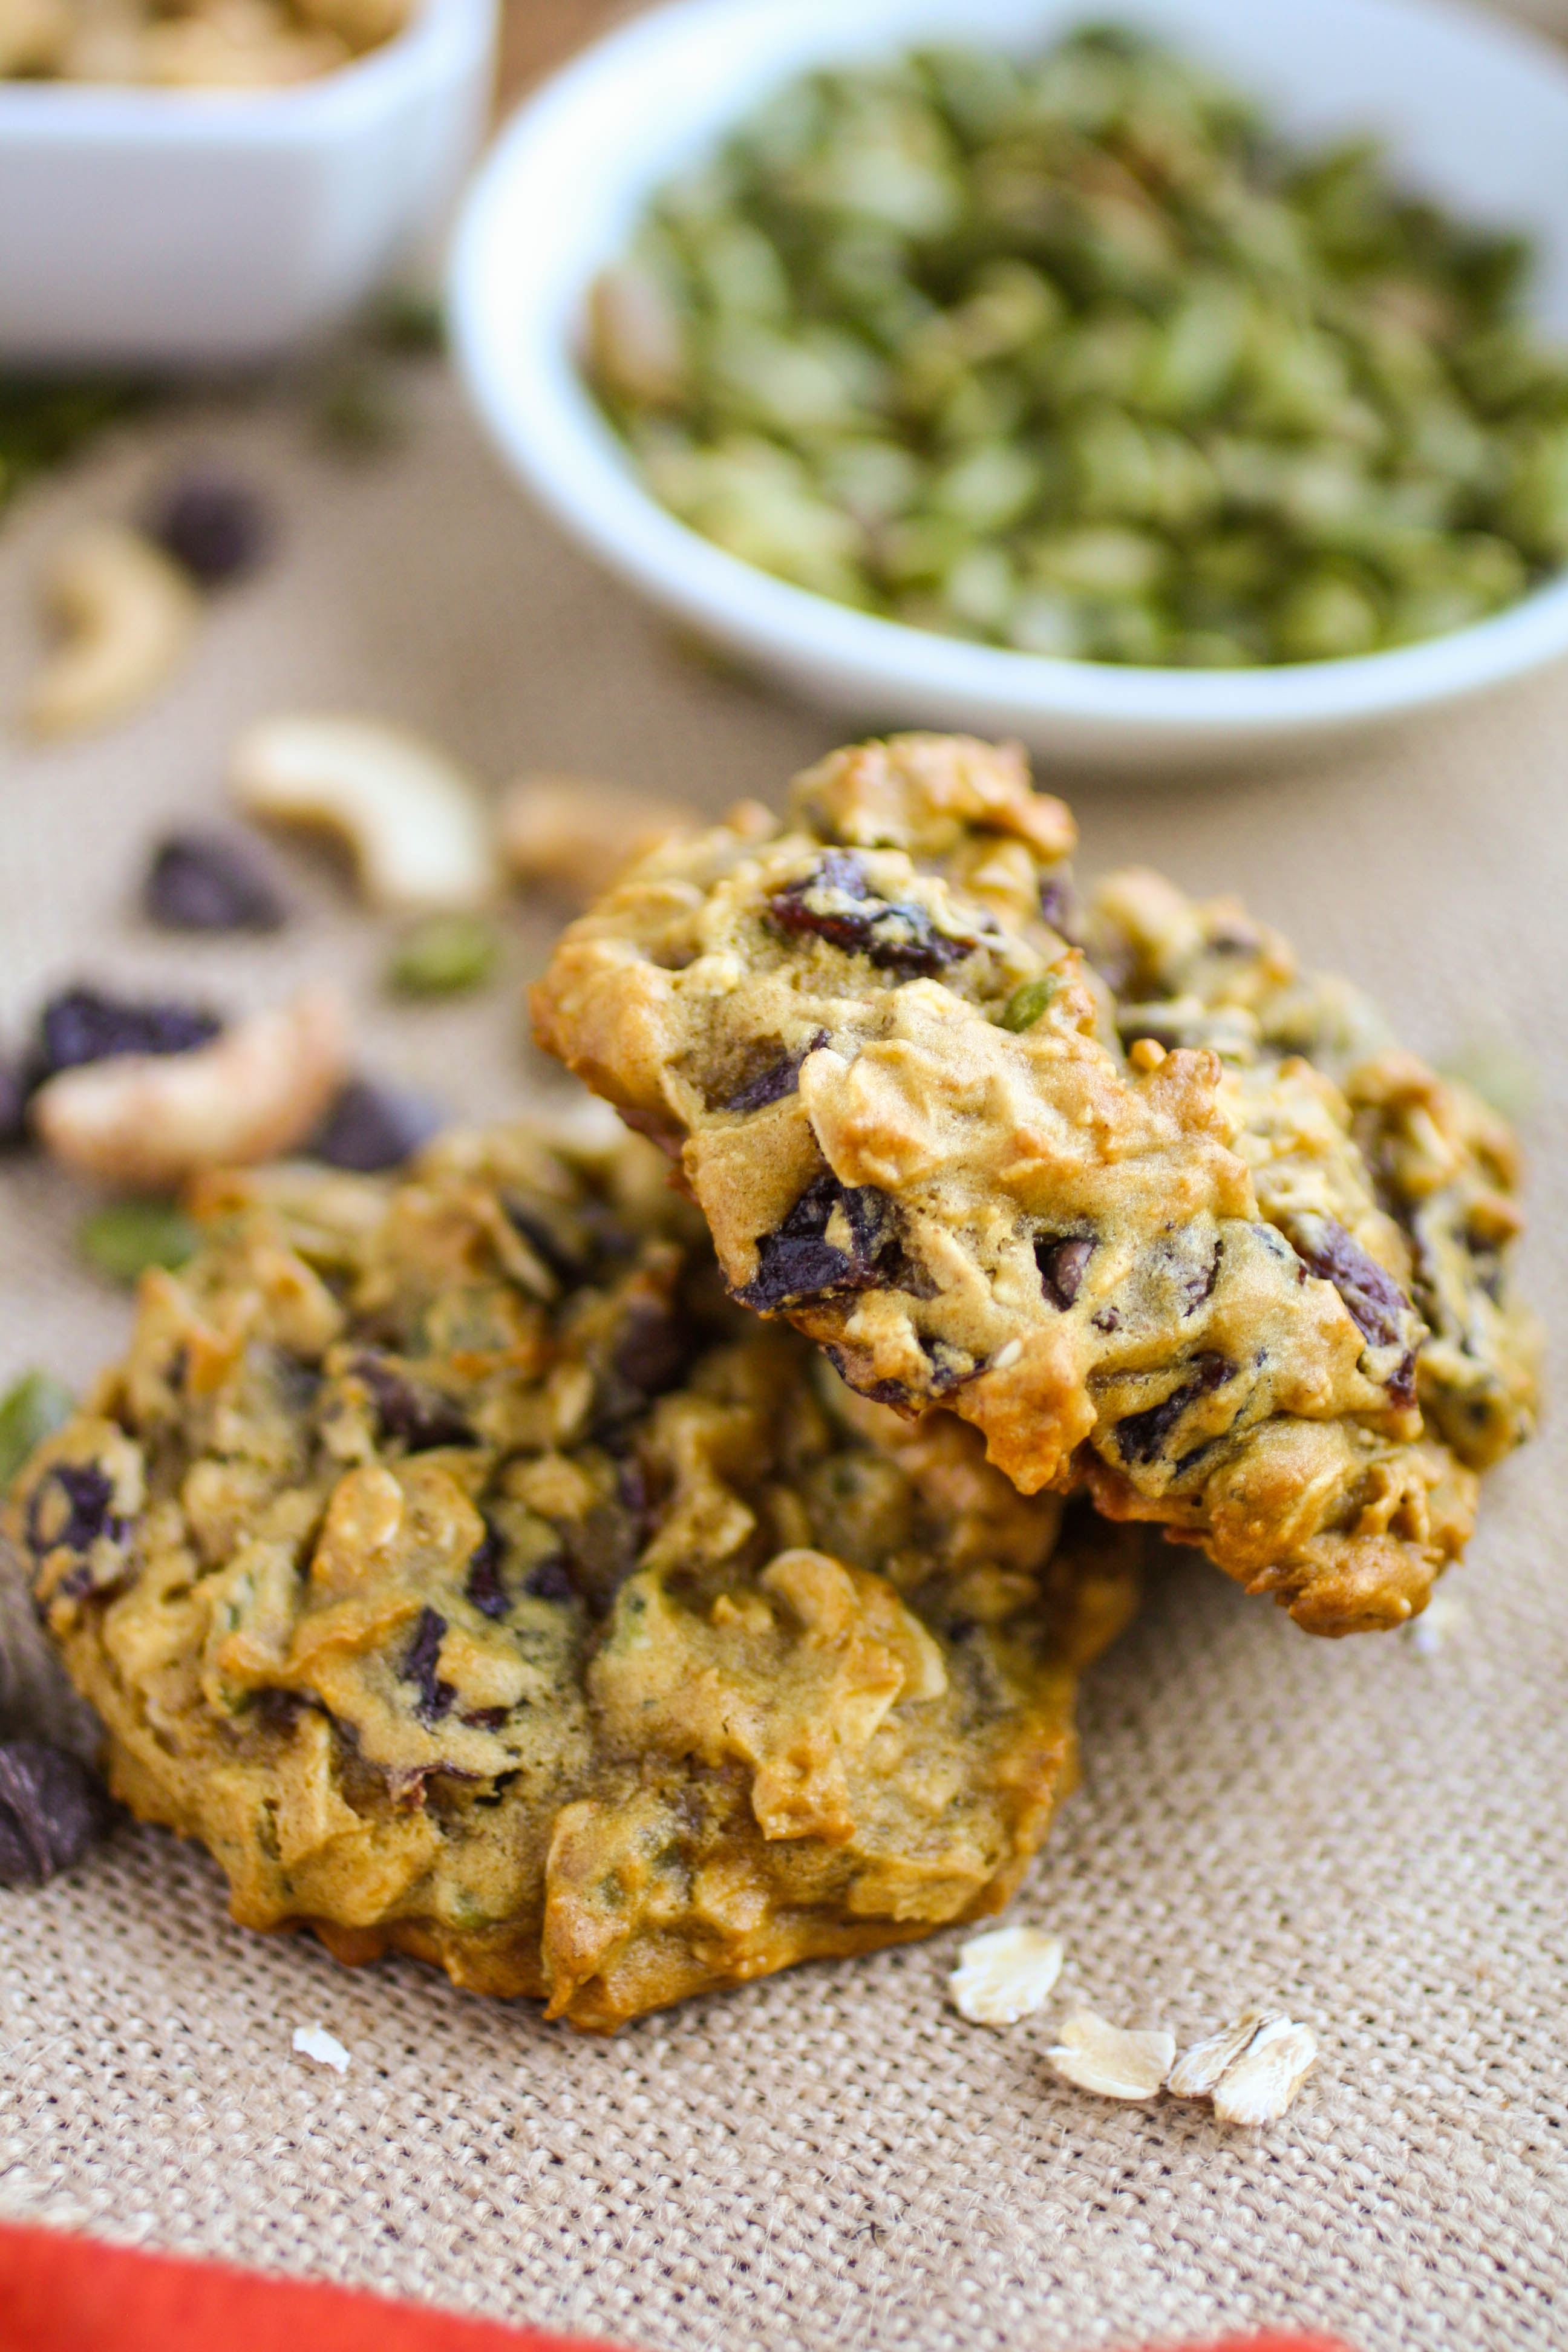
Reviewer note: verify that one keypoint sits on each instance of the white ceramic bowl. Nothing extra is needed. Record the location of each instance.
(1475, 112)
(175, 228)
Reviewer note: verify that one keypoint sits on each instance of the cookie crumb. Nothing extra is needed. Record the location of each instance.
(1442, 1621)
(1005, 1975)
(315, 2041)
(1104, 2058)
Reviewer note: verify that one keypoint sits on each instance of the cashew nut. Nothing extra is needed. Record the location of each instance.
(33, 35)
(127, 614)
(415, 821)
(567, 833)
(146, 1121)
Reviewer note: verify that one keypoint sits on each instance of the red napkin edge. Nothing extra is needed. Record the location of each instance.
(60, 2292)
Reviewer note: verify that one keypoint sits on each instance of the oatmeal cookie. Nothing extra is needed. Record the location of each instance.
(1442, 1165)
(454, 1559)
(896, 1088)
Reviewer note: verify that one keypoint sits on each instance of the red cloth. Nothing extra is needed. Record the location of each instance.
(72, 2295)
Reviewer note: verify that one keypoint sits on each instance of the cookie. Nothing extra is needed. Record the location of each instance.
(455, 1560)
(1442, 1165)
(896, 1087)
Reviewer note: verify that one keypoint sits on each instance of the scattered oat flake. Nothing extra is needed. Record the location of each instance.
(315, 2041)
(1262, 2083)
(1005, 1975)
(1105, 2059)
(1197, 2072)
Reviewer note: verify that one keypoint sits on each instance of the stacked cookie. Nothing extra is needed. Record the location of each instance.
(609, 1591)
(1116, 1183)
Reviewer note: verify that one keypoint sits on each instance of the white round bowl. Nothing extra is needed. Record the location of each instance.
(174, 228)
(1475, 113)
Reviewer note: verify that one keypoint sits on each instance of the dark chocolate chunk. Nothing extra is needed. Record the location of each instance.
(1059, 908)
(550, 1580)
(653, 1347)
(51, 1810)
(370, 1128)
(777, 1079)
(210, 882)
(602, 1548)
(418, 1416)
(280, 1710)
(88, 1493)
(218, 528)
(894, 1393)
(84, 1024)
(1200, 1286)
(13, 1106)
(483, 1585)
(547, 1229)
(420, 1664)
(486, 1719)
(799, 1262)
(1379, 1308)
(1062, 1259)
(1139, 1437)
(835, 902)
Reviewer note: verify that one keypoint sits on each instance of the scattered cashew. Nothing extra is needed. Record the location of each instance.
(32, 33)
(415, 821)
(146, 1121)
(572, 835)
(127, 614)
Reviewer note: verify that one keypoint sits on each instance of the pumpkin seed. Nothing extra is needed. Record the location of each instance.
(1074, 355)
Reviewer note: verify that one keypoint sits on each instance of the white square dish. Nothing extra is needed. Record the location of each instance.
(174, 228)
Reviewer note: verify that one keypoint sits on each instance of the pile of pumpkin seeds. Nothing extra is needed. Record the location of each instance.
(1076, 356)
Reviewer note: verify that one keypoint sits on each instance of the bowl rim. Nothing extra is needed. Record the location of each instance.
(439, 35)
(533, 400)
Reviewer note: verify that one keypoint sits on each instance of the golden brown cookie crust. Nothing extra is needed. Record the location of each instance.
(454, 1560)
(898, 1093)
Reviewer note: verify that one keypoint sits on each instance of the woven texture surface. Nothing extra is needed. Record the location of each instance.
(1369, 1837)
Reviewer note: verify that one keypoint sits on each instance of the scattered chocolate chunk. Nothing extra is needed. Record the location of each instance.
(799, 1262)
(1139, 1437)
(210, 882)
(420, 1665)
(218, 528)
(551, 1580)
(1379, 1308)
(370, 1128)
(85, 1024)
(1062, 1260)
(52, 1808)
(774, 1082)
(485, 1718)
(13, 1106)
(69, 1510)
(483, 1584)
(418, 1416)
(835, 902)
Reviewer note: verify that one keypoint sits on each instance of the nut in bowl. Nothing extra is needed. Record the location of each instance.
(1031, 535)
(224, 185)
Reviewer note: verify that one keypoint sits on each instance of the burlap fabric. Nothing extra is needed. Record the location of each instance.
(1369, 1837)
